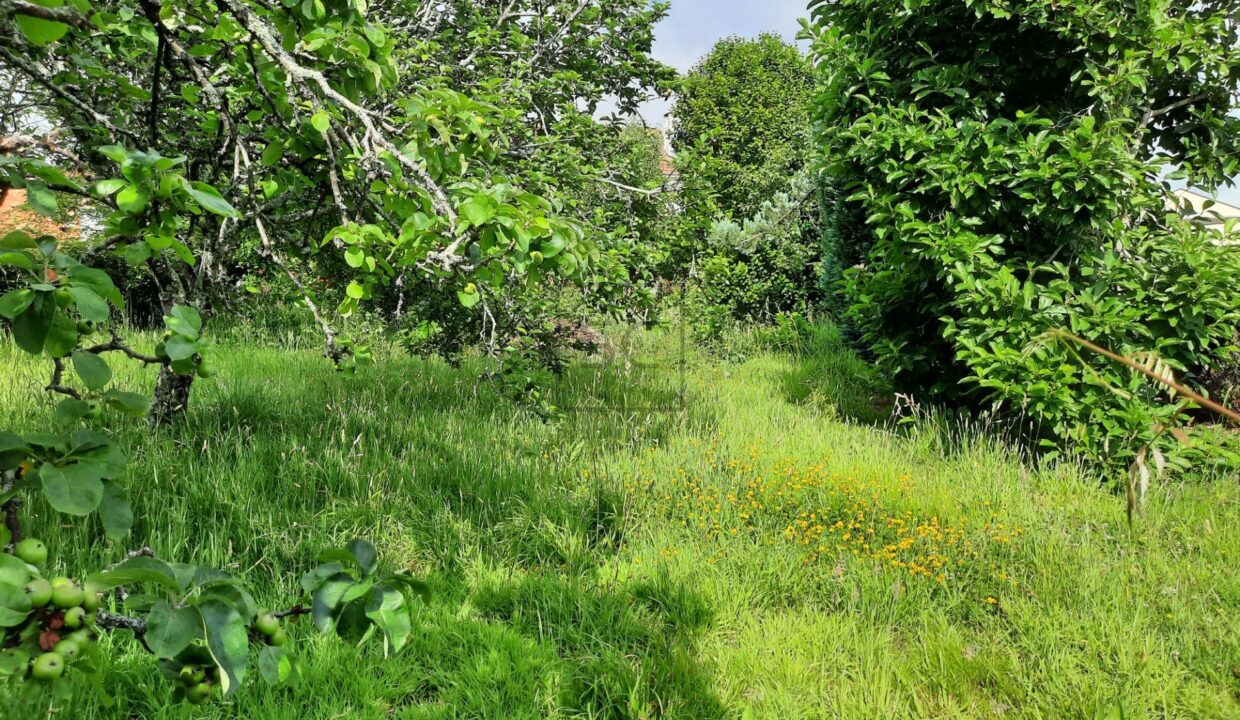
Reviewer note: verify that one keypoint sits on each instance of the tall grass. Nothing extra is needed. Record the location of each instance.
(576, 573)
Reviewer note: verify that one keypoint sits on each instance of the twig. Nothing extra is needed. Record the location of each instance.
(11, 522)
(1185, 391)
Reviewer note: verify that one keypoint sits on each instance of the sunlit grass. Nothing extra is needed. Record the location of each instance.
(758, 555)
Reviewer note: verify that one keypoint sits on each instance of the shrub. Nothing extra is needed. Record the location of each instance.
(1006, 156)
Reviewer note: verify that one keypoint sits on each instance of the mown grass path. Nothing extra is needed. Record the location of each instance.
(755, 556)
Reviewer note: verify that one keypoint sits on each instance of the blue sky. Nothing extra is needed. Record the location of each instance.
(693, 26)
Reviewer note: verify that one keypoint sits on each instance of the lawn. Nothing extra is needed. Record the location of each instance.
(766, 552)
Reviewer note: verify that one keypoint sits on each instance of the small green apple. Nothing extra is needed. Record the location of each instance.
(48, 666)
(67, 596)
(267, 624)
(31, 550)
(75, 617)
(39, 591)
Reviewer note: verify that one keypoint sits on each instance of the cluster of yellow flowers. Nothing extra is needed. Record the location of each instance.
(827, 515)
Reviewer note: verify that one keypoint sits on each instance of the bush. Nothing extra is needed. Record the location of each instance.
(1007, 173)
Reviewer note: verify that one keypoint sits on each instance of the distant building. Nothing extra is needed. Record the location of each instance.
(1194, 203)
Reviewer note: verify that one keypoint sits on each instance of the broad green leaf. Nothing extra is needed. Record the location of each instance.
(100, 282)
(190, 321)
(326, 598)
(355, 291)
(179, 348)
(72, 409)
(132, 200)
(31, 327)
(321, 121)
(273, 154)
(15, 302)
(40, 31)
(210, 199)
(313, 579)
(76, 489)
(93, 369)
(14, 605)
(127, 402)
(19, 259)
(13, 449)
(226, 639)
(364, 552)
(13, 571)
(62, 337)
(17, 240)
(107, 188)
(115, 512)
(274, 665)
(387, 607)
(170, 630)
(137, 570)
(479, 209)
(89, 305)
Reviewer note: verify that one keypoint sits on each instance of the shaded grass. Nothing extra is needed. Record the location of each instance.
(567, 584)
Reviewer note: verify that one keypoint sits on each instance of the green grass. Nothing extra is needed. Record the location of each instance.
(613, 565)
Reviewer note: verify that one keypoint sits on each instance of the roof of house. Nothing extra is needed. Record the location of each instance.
(1214, 215)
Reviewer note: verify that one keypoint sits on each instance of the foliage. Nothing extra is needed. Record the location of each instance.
(199, 621)
(1006, 158)
(211, 139)
(770, 264)
(743, 112)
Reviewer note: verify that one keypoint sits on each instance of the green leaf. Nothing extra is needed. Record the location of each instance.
(327, 597)
(19, 259)
(74, 490)
(387, 607)
(321, 121)
(188, 321)
(89, 305)
(364, 552)
(226, 639)
(313, 579)
(115, 512)
(274, 665)
(273, 154)
(15, 302)
(137, 570)
(355, 291)
(210, 199)
(14, 605)
(40, 31)
(479, 209)
(468, 299)
(127, 402)
(93, 369)
(107, 188)
(13, 449)
(72, 409)
(30, 328)
(17, 240)
(170, 630)
(179, 348)
(62, 337)
(132, 200)
(100, 282)
(13, 571)
(41, 198)
(354, 257)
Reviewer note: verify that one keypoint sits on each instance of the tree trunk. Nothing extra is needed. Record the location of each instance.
(171, 396)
